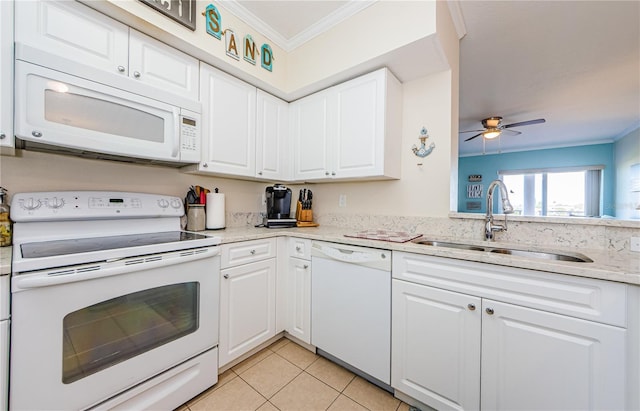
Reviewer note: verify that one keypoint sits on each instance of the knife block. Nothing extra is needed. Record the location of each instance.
(303, 215)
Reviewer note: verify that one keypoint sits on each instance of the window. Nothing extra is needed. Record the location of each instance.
(555, 192)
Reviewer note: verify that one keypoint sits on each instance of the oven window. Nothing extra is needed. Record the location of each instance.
(115, 330)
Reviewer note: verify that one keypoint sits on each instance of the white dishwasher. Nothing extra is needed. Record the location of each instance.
(351, 308)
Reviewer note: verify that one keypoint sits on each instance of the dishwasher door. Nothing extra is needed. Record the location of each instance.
(351, 306)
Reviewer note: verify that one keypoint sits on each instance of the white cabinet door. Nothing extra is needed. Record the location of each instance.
(358, 139)
(311, 137)
(6, 77)
(162, 66)
(74, 31)
(273, 151)
(299, 299)
(537, 360)
(247, 308)
(229, 123)
(436, 346)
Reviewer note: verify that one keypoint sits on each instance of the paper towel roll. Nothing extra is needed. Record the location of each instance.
(215, 211)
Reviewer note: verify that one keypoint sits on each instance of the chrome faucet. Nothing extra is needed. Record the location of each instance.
(507, 208)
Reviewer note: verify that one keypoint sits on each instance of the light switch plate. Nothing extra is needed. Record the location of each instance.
(635, 244)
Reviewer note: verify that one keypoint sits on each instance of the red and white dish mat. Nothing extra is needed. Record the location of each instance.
(385, 235)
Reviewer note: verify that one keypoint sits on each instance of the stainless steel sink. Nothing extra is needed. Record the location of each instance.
(449, 245)
(574, 257)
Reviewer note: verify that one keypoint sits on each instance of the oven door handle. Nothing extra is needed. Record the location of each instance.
(55, 277)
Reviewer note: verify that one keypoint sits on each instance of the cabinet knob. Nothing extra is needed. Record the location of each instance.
(252, 252)
(3, 136)
(326, 173)
(333, 173)
(205, 165)
(36, 133)
(226, 276)
(298, 248)
(136, 74)
(305, 266)
(259, 173)
(471, 307)
(489, 311)
(121, 69)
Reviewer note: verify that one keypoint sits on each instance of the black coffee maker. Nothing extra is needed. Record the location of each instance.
(278, 207)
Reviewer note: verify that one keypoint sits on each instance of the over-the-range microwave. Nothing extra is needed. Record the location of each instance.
(93, 114)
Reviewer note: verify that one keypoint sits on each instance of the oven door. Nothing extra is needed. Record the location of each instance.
(59, 109)
(83, 334)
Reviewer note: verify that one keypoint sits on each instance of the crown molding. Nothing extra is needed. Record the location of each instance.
(319, 27)
(458, 19)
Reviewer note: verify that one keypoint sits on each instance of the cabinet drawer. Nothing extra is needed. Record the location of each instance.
(586, 298)
(247, 252)
(300, 248)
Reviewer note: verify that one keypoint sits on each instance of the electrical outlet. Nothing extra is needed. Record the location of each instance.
(342, 200)
(635, 244)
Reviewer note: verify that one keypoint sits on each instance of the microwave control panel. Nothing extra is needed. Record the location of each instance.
(190, 137)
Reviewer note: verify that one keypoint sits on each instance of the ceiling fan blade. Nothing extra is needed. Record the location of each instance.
(470, 131)
(512, 132)
(526, 123)
(471, 138)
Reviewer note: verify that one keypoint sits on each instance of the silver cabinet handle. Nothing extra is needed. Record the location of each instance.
(136, 74)
(333, 173)
(3, 136)
(489, 311)
(259, 173)
(253, 252)
(205, 165)
(471, 307)
(298, 248)
(36, 134)
(121, 69)
(326, 173)
(305, 266)
(226, 276)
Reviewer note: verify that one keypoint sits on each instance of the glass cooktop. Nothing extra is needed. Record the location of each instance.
(86, 245)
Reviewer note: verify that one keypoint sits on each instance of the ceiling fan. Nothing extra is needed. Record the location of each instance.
(493, 127)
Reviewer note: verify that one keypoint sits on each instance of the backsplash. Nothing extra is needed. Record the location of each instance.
(606, 237)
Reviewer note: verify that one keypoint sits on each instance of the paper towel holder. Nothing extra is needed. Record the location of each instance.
(215, 211)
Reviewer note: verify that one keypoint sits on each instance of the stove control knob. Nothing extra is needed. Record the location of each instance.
(55, 202)
(31, 203)
(176, 203)
(163, 203)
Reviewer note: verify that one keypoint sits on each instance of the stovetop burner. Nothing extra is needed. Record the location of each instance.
(85, 245)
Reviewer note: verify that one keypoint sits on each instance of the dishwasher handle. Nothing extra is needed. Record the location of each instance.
(370, 257)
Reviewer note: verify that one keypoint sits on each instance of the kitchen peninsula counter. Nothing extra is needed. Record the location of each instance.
(606, 265)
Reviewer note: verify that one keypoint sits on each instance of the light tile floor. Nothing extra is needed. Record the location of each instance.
(285, 376)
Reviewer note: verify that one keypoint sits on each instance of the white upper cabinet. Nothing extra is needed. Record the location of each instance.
(75, 32)
(273, 151)
(351, 130)
(162, 66)
(6, 77)
(228, 124)
(311, 137)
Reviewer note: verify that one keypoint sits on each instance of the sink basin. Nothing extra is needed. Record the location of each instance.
(572, 257)
(449, 245)
(575, 257)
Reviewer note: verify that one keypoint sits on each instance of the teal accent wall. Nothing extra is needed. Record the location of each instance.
(489, 164)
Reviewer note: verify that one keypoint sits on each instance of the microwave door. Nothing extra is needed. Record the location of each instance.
(58, 109)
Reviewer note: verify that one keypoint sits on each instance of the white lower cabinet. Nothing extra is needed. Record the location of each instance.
(299, 299)
(456, 346)
(247, 300)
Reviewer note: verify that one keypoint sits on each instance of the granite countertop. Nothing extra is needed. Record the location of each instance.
(606, 265)
(612, 266)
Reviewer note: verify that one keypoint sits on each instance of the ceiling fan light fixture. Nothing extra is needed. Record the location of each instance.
(491, 133)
